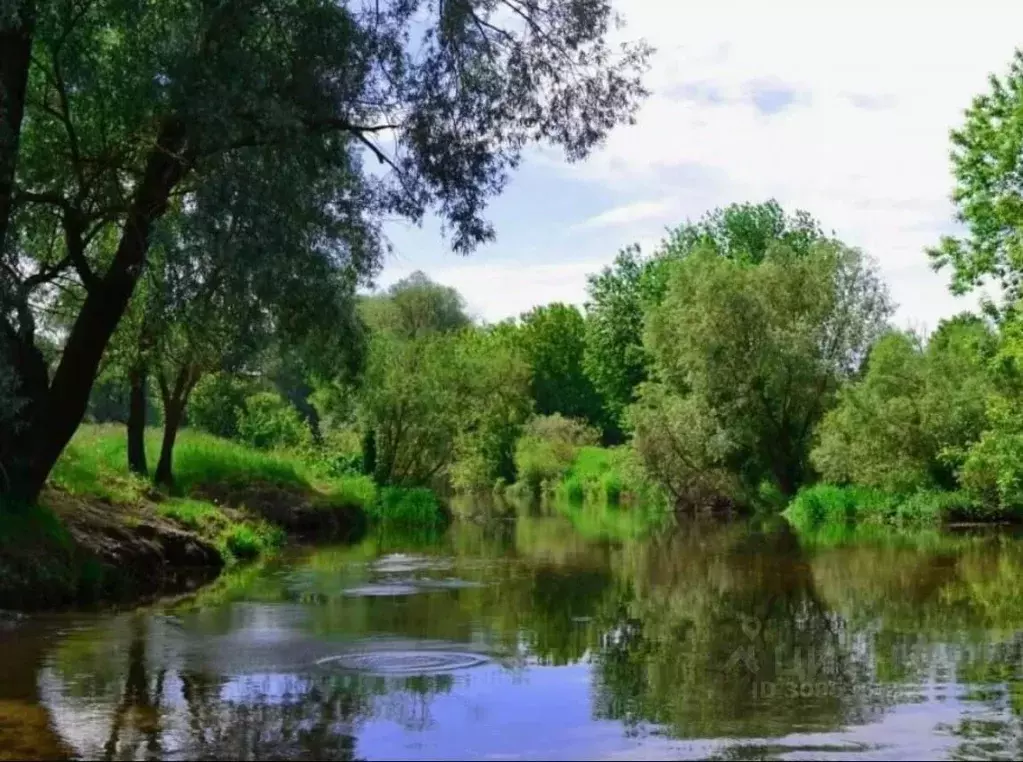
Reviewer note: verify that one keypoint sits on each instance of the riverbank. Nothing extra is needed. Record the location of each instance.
(824, 506)
(102, 535)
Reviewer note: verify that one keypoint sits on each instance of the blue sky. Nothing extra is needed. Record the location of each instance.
(842, 109)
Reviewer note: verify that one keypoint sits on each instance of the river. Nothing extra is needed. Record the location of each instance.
(534, 639)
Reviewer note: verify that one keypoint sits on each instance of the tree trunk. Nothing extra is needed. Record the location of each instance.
(174, 402)
(52, 427)
(15, 55)
(172, 415)
(137, 421)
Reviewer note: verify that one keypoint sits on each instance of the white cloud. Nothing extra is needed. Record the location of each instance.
(639, 211)
(498, 290)
(864, 147)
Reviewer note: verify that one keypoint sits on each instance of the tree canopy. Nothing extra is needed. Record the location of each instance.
(401, 107)
(987, 161)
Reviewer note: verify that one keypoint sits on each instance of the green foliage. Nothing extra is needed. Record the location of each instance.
(218, 404)
(411, 400)
(415, 307)
(763, 349)
(992, 470)
(613, 355)
(620, 297)
(245, 542)
(496, 395)
(681, 447)
(609, 477)
(444, 407)
(414, 507)
(547, 449)
(825, 505)
(874, 437)
(910, 422)
(745, 233)
(268, 422)
(553, 339)
(987, 161)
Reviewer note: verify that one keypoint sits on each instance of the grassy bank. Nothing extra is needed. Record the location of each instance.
(601, 490)
(102, 533)
(588, 474)
(825, 506)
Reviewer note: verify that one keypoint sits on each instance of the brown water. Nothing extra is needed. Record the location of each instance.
(533, 639)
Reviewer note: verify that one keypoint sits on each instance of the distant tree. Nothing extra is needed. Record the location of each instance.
(682, 447)
(912, 418)
(614, 357)
(553, 340)
(497, 404)
(414, 307)
(993, 467)
(765, 347)
(745, 232)
(621, 295)
(444, 401)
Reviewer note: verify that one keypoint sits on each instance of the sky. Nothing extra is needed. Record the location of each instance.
(841, 109)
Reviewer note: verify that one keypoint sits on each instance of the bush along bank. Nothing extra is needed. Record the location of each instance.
(102, 535)
(599, 488)
(830, 506)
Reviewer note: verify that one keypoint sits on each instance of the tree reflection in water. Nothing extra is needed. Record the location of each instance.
(711, 632)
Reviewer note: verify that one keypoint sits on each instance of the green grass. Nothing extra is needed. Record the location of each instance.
(414, 507)
(237, 540)
(829, 505)
(94, 465)
(606, 476)
(246, 541)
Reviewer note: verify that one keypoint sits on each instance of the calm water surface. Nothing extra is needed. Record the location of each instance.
(529, 639)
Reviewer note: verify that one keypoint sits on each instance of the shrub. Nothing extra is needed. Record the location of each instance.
(558, 428)
(417, 506)
(270, 422)
(217, 404)
(830, 504)
(547, 449)
(612, 486)
(681, 447)
(247, 541)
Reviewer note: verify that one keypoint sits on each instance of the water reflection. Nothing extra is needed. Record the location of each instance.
(523, 638)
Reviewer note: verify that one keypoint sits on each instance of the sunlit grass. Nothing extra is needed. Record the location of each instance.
(95, 463)
(828, 505)
(416, 507)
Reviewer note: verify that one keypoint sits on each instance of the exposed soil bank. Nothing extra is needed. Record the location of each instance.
(302, 515)
(79, 551)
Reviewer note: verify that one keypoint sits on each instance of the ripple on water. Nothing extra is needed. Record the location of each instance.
(387, 662)
(382, 590)
(400, 563)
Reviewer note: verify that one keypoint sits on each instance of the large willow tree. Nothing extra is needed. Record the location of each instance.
(112, 110)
